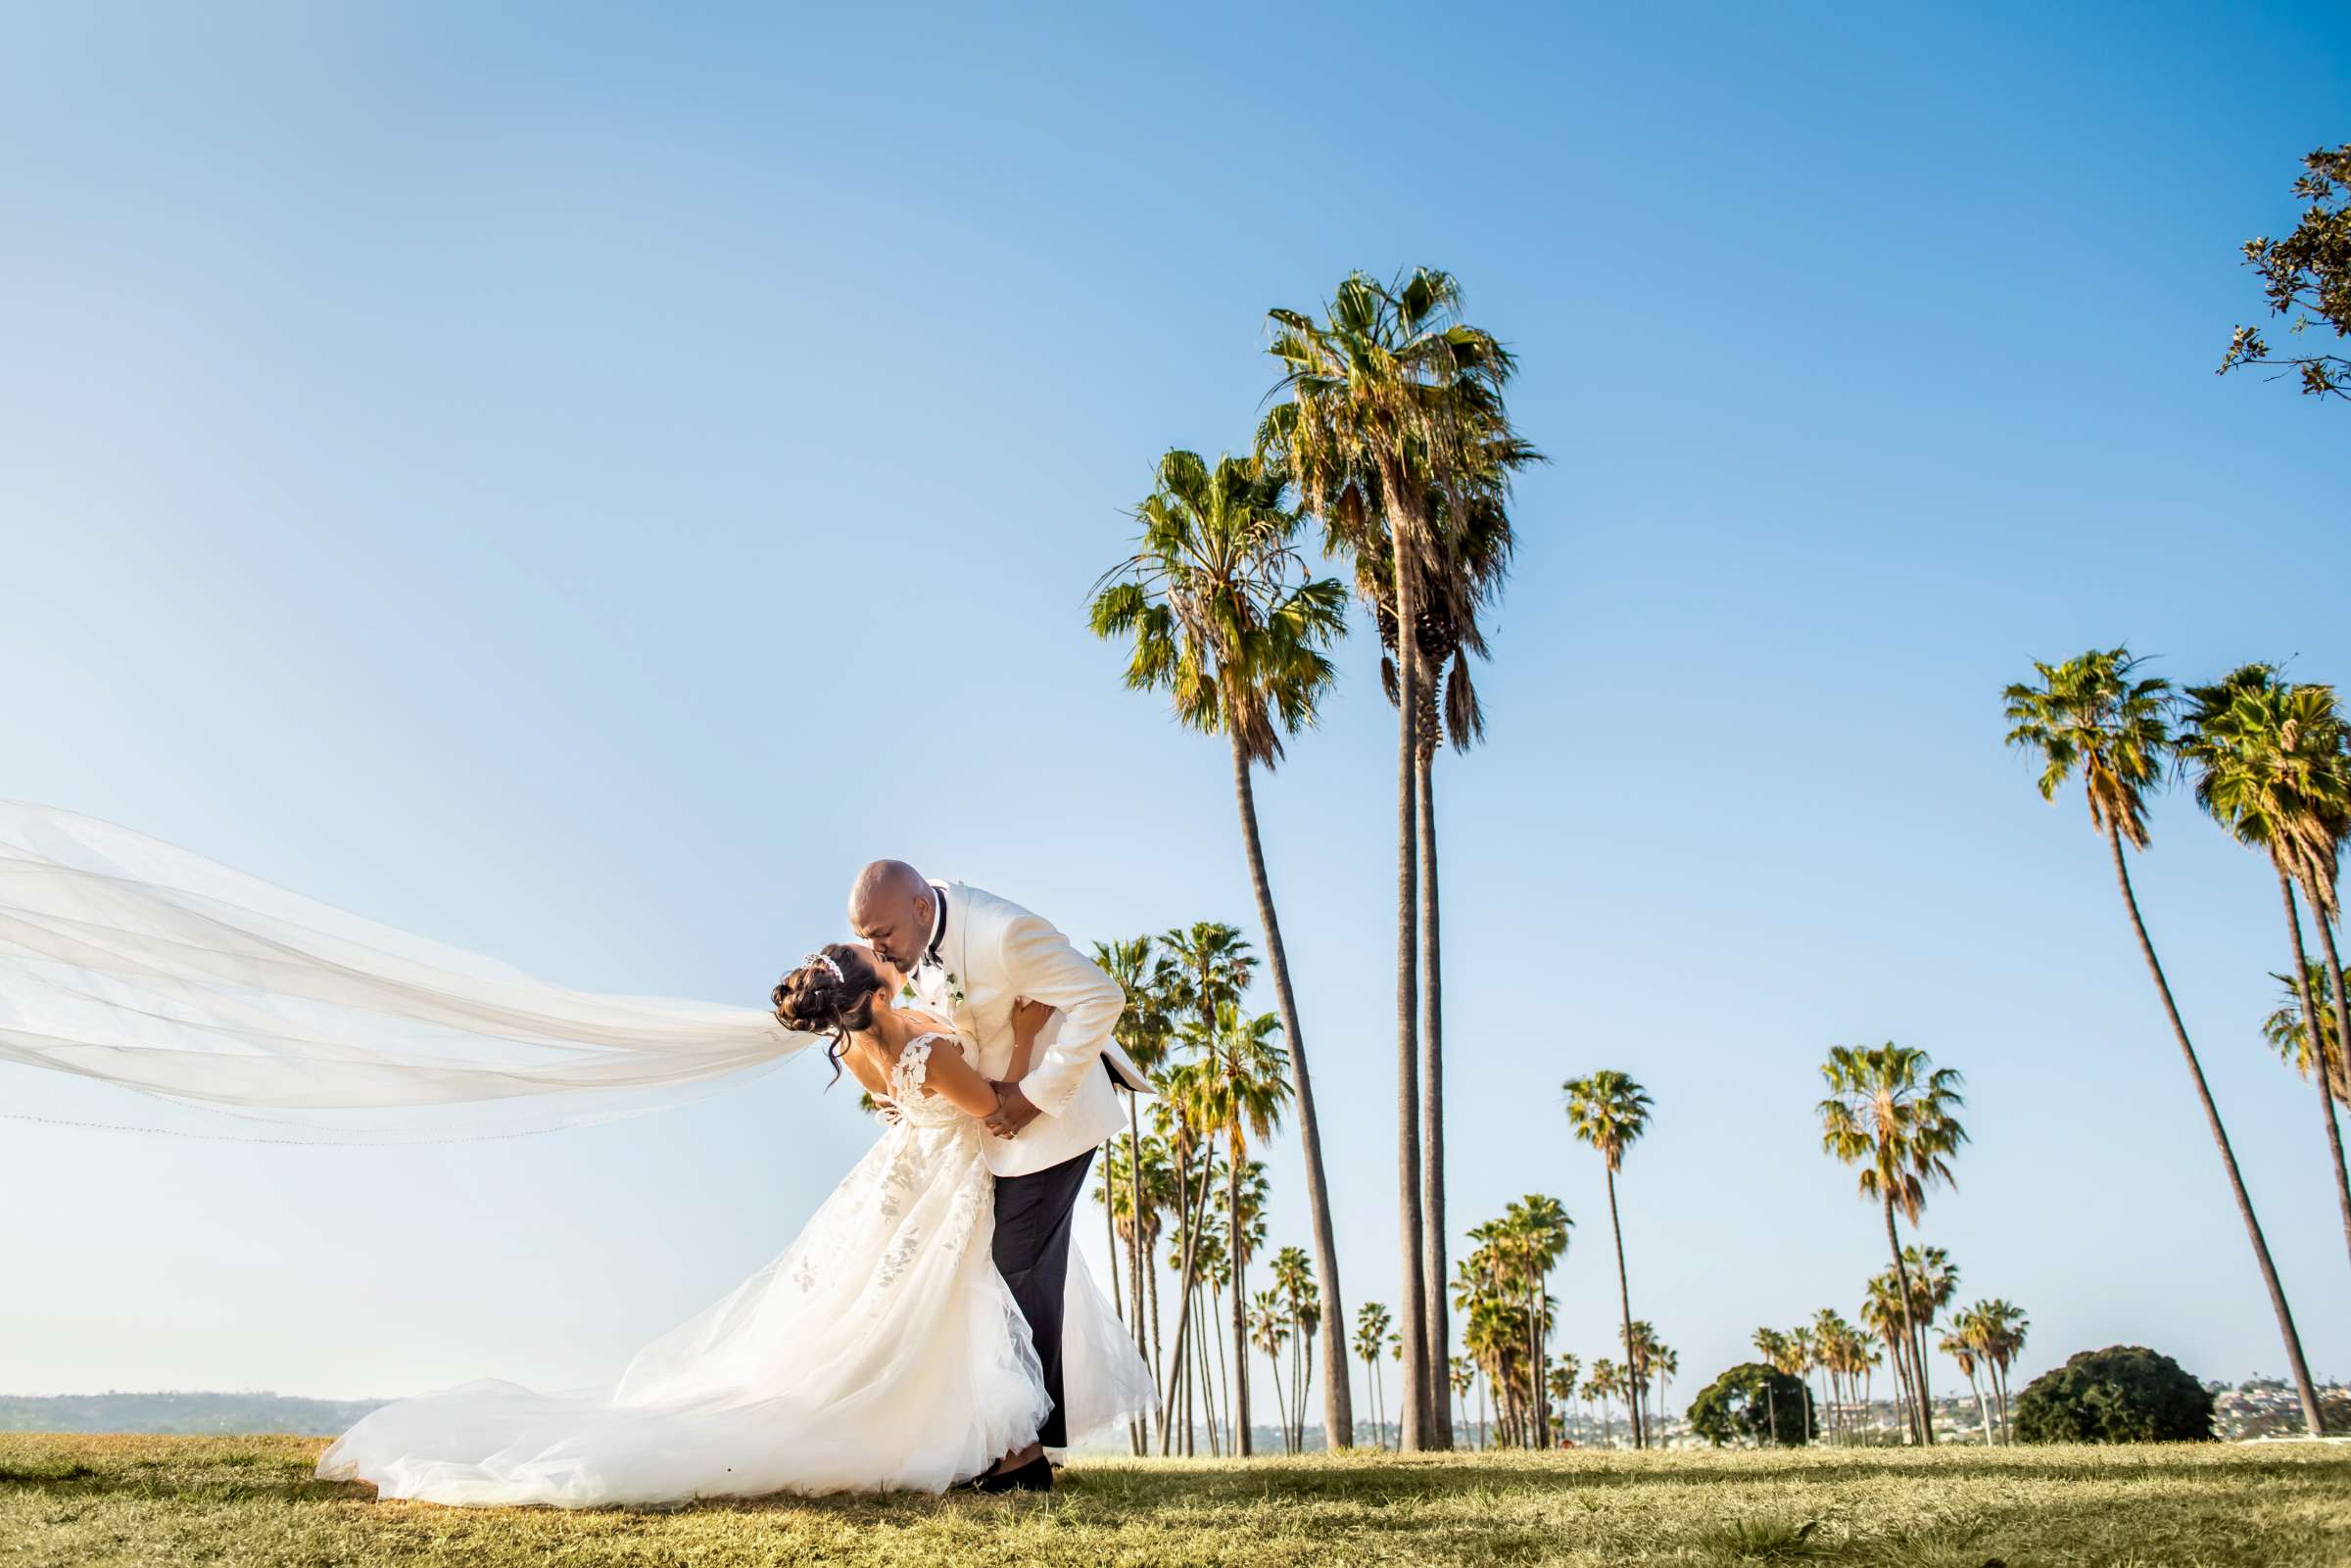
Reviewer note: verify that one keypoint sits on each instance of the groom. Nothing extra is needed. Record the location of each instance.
(970, 955)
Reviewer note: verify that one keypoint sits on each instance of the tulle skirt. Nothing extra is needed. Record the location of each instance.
(881, 1350)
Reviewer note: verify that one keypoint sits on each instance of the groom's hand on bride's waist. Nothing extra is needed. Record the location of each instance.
(1013, 1111)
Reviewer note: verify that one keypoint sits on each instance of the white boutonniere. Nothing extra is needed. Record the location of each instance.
(954, 989)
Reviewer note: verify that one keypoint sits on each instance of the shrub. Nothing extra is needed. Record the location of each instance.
(2122, 1394)
(1753, 1401)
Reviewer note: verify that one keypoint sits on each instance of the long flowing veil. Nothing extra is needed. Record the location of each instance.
(242, 1010)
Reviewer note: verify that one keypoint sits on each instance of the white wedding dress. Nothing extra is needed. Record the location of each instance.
(881, 1350)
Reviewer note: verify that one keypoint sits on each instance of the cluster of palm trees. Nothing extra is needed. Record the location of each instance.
(1985, 1339)
(2269, 760)
(1222, 1080)
(1389, 430)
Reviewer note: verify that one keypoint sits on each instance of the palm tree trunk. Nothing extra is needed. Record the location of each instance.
(1134, 1211)
(2220, 1137)
(1224, 1379)
(1238, 1154)
(1188, 1219)
(2317, 1046)
(1146, 1243)
(1110, 1237)
(1983, 1410)
(1925, 1395)
(1338, 1396)
(1924, 1431)
(1537, 1407)
(1411, 1225)
(1432, 1092)
(1624, 1294)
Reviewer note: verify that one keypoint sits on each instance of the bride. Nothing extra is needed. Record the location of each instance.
(880, 1349)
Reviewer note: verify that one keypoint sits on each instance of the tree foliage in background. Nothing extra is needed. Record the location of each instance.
(2122, 1394)
(2306, 277)
(1757, 1402)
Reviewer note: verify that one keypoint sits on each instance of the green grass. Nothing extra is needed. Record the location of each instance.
(89, 1501)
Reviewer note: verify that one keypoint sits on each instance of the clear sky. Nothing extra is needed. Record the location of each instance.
(576, 481)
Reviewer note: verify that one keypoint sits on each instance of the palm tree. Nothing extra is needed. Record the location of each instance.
(2093, 714)
(1993, 1332)
(2287, 1035)
(1883, 1314)
(2267, 757)
(1211, 966)
(1239, 1096)
(1838, 1349)
(1563, 1375)
(1956, 1344)
(1294, 1281)
(1226, 619)
(1461, 1372)
(1472, 554)
(2005, 1328)
(1933, 1281)
(1602, 1381)
(1387, 403)
(1144, 1030)
(1372, 1325)
(1610, 1111)
(1771, 1345)
(1889, 1112)
(1269, 1332)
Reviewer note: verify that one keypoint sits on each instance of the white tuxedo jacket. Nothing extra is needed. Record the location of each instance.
(995, 953)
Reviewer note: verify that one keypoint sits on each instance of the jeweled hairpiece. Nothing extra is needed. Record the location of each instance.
(831, 967)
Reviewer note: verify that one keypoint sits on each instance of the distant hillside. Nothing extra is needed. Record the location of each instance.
(226, 1413)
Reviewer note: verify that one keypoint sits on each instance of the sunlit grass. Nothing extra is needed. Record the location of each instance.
(96, 1501)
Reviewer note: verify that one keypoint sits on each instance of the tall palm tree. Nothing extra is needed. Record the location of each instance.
(2267, 759)
(1239, 1097)
(1225, 616)
(1371, 1324)
(1889, 1113)
(1471, 552)
(2095, 715)
(1610, 1111)
(1387, 402)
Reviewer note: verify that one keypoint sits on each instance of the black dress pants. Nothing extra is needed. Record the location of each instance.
(1033, 1215)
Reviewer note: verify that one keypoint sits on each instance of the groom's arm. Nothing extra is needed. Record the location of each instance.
(1043, 966)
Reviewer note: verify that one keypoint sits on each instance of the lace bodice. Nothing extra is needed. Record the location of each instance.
(907, 1076)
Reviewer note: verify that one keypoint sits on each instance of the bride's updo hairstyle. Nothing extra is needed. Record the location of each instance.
(831, 992)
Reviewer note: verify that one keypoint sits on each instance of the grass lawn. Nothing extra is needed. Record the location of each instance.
(88, 1502)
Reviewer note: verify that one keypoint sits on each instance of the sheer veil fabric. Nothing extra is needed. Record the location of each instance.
(880, 1349)
(246, 1011)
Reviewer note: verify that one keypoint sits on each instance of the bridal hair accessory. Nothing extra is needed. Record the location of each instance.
(831, 967)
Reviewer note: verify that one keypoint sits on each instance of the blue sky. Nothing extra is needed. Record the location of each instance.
(576, 481)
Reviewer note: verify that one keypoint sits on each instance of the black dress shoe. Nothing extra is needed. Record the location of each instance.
(1035, 1476)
